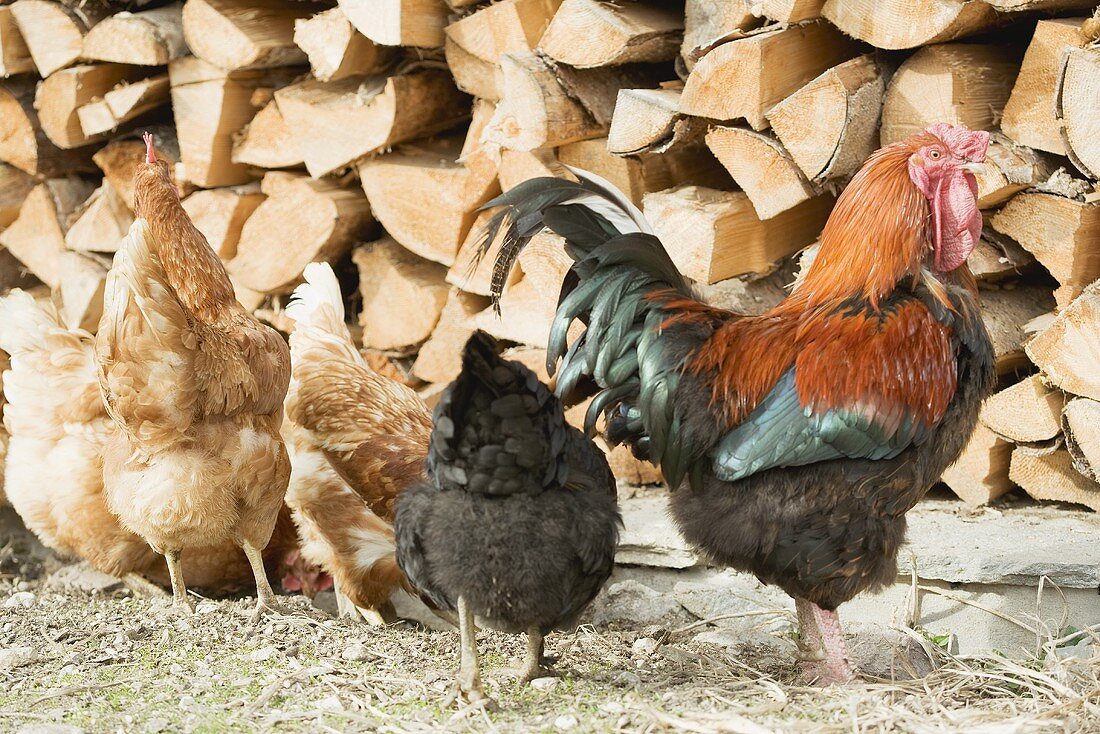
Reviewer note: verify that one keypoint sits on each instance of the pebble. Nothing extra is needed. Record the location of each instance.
(330, 703)
(13, 657)
(547, 683)
(263, 654)
(19, 599)
(49, 729)
(626, 679)
(565, 722)
(644, 645)
(156, 725)
(356, 652)
(206, 607)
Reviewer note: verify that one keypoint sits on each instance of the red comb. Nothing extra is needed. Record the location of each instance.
(150, 155)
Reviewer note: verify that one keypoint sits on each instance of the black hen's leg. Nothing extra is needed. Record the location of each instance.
(469, 674)
(536, 665)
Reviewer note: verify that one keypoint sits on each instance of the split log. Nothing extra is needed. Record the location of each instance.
(245, 34)
(980, 474)
(15, 57)
(15, 185)
(1080, 423)
(24, 143)
(517, 166)
(398, 22)
(1010, 169)
(844, 104)
(382, 111)
(1076, 109)
(650, 121)
(898, 24)
(1061, 233)
(54, 32)
(1006, 312)
(958, 83)
(82, 280)
(597, 89)
(13, 274)
(122, 104)
(120, 158)
(708, 23)
(787, 11)
(267, 141)
(761, 168)
(475, 42)
(302, 220)
(336, 50)
(37, 236)
(1026, 412)
(440, 358)
(1029, 113)
(739, 79)
(148, 38)
(1068, 350)
(1050, 476)
(637, 176)
(220, 215)
(61, 94)
(211, 106)
(713, 235)
(996, 256)
(644, 31)
(1014, 6)
(101, 222)
(403, 295)
(425, 199)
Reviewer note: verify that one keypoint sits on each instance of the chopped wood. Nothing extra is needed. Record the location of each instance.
(383, 111)
(54, 32)
(1080, 423)
(1050, 476)
(708, 23)
(82, 280)
(1068, 349)
(122, 104)
(1076, 108)
(14, 187)
(1009, 169)
(120, 158)
(440, 358)
(211, 106)
(787, 11)
(425, 199)
(898, 24)
(147, 38)
(37, 236)
(245, 34)
(336, 50)
(61, 94)
(474, 144)
(762, 168)
(597, 89)
(1006, 312)
(220, 215)
(650, 121)
(302, 220)
(1009, 6)
(398, 22)
(15, 57)
(403, 295)
(844, 103)
(475, 42)
(643, 31)
(1029, 113)
(100, 223)
(980, 474)
(517, 166)
(1028, 411)
(712, 235)
(24, 143)
(958, 83)
(739, 80)
(997, 256)
(1061, 233)
(267, 141)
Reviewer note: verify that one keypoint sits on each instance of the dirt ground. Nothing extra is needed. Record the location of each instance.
(74, 661)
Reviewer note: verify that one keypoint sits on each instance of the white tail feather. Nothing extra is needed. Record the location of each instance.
(317, 310)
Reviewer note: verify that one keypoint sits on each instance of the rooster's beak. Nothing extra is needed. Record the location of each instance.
(973, 167)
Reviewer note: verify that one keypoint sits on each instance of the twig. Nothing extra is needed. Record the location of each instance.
(69, 690)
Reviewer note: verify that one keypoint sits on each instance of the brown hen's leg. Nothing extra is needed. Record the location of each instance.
(265, 597)
(179, 589)
(838, 667)
(469, 676)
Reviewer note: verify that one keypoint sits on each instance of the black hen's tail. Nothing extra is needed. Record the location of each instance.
(497, 429)
(618, 286)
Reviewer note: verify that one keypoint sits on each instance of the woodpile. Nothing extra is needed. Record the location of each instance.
(367, 133)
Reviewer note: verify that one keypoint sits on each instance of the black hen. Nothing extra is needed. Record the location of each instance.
(519, 520)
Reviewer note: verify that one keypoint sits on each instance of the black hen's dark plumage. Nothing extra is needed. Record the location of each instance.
(519, 516)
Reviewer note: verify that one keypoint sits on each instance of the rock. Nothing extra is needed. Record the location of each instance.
(634, 603)
(626, 679)
(545, 684)
(82, 577)
(49, 729)
(731, 594)
(14, 657)
(157, 724)
(565, 722)
(19, 599)
(356, 652)
(330, 703)
(649, 537)
(882, 652)
(263, 654)
(326, 602)
(644, 645)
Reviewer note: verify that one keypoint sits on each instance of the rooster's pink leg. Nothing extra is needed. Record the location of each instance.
(838, 668)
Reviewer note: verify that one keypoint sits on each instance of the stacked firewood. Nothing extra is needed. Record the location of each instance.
(368, 134)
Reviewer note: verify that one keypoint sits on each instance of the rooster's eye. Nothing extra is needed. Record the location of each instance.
(934, 155)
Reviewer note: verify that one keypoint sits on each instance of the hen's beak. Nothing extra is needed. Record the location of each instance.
(973, 167)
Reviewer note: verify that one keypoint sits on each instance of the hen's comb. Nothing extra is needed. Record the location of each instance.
(962, 141)
(150, 154)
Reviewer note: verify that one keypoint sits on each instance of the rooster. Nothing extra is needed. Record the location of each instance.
(518, 522)
(794, 441)
(196, 385)
(358, 440)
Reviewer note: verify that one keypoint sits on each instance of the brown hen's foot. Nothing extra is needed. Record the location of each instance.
(180, 603)
(266, 601)
(824, 652)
